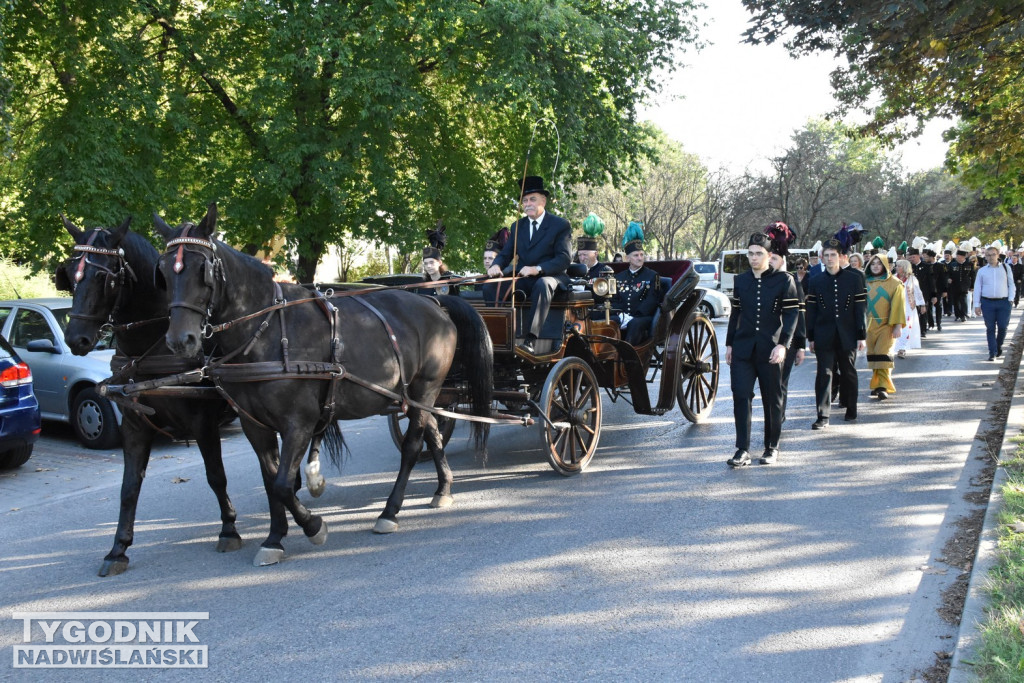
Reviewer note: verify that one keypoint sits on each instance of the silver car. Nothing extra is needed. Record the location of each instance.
(65, 384)
(715, 304)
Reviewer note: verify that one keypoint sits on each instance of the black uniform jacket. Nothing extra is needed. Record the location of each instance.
(925, 274)
(837, 307)
(960, 277)
(639, 293)
(939, 276)
(550, 248)
(765, 312)
(800, 333)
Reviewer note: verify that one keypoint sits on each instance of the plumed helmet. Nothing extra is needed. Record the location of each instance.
(781, 236)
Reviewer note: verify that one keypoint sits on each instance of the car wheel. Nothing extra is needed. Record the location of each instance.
(707, 310)
(16, 457)
(94, 421)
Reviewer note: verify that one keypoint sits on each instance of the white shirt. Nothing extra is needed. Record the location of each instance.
(538, 220)
(993, 283)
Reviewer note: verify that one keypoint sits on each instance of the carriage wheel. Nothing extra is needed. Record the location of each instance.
(398, 425)
(571, 400)
(698, 368)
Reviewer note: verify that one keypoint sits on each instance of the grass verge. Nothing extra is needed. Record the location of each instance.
(1001, 654)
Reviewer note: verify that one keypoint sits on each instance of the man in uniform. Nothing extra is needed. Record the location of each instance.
(638, 296)
(960, 278)
(764, 317)
(541, 243)
(947, 300)
(836, 315)
(586, 248)
(938, 287)
(1018, 275)
(923, 273)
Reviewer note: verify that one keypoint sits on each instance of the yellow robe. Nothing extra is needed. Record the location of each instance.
(886, 303)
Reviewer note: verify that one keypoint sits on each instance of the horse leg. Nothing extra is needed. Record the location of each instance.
(387, 522)
(207, 435)
(314, 480)
(264, 443)
(435, 444)
(137, 439)
(293, 445)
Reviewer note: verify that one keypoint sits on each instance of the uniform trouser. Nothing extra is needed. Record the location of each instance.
(541, 290)
(937, 306)
(1016, 292)
(997, 317)
(638, 330)
(744, 372)
(947, 304)
(959, 305)
(824, 378)
(787, 369)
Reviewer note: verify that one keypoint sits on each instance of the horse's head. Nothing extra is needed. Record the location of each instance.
(192, 274)
(96, 274)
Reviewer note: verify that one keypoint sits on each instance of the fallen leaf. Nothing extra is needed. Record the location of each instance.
(1018, 527)
(15, 509)
(44, 469)
(179, 480)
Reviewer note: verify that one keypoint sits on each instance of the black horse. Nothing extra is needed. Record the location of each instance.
(395, 345)
(111, 275)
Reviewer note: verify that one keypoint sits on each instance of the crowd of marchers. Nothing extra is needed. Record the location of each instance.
(840, 303)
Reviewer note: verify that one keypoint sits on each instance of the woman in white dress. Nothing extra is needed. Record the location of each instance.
(914, 302)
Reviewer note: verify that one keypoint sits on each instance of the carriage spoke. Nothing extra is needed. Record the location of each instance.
(579, 440)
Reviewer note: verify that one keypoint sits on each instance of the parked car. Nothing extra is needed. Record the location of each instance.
(733, 262)
(64, 384)
(19, 409)
(708, 271)
(715, 304)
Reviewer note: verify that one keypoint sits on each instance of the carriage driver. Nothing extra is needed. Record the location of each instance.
(543, 246)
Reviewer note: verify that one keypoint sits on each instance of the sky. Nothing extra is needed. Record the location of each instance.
(735, 105)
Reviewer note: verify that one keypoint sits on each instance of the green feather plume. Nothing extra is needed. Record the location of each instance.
(878, 243)
(902, 249)
(635, 231)
(593, 225)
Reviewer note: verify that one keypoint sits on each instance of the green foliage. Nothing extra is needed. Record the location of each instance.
(320, 121)
(18, 282)
(919, 61)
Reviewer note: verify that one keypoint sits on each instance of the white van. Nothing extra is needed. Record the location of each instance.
(733, 262)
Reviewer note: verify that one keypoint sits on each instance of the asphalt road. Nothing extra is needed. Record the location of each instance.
(657, 563)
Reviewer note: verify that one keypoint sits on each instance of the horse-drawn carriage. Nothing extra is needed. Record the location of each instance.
(581, 351)
(202, 320)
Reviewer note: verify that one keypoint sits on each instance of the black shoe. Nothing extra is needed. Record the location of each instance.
(740, 459)
(821, 423)
(851, 415)
(938, 328)
(999, 352)
(991, 357)
(769, 456)
(882, 394)
(527, 347)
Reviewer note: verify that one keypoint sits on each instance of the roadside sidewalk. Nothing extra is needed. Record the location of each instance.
(973, 616)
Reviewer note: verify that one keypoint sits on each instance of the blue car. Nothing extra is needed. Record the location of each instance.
(19, 410)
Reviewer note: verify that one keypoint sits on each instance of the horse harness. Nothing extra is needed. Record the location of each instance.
(112, 279)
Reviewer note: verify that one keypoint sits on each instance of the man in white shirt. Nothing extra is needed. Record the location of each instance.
(993, 291)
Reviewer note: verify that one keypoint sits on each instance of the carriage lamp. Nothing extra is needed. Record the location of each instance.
(604, 286)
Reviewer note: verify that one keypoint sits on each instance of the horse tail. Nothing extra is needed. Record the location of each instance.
(334, 444)
(475, 355)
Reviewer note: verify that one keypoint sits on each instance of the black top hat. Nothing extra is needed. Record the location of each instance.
(586, 243)
(534, 183)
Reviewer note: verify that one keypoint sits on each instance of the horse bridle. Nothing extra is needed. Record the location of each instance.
(213, 270)
(112, 279)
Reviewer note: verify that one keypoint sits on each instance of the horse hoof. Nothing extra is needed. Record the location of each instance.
(227, 544)
(267, 556)
(315, 482)
(441, 501)
(113, 567)
(385, 526)
(320, 537)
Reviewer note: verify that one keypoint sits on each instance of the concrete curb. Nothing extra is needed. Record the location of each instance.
(961, 670)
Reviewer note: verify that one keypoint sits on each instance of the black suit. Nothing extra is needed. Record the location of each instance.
(551, 249)
(836, 321)
(765, 314)
(926, 280)
(939, 281)
(799, 342)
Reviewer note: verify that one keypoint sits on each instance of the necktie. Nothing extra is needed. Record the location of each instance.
(533, 229)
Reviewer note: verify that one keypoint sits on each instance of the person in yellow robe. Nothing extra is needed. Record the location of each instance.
(886, 301)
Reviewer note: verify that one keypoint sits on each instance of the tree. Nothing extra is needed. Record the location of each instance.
(959, 60)
(323, 120)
